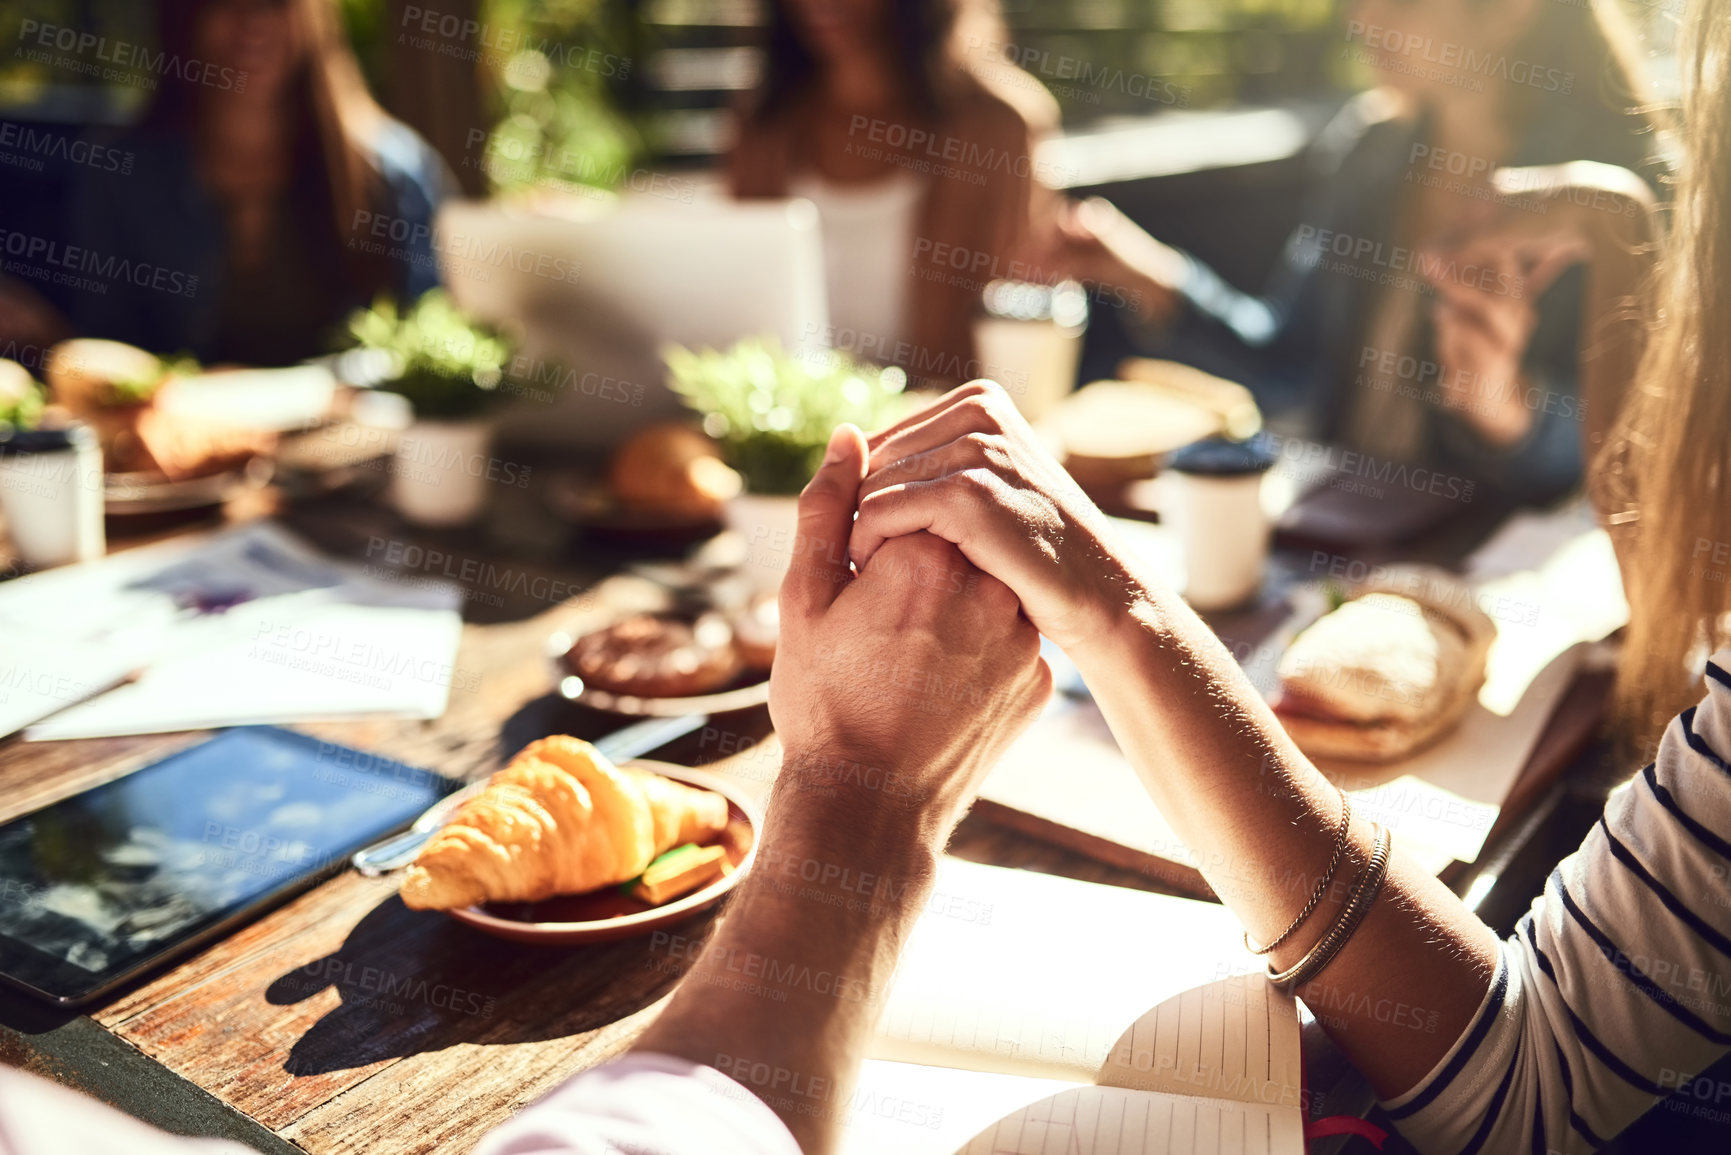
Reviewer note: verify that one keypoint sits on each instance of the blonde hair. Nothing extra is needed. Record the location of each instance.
(1667, 466)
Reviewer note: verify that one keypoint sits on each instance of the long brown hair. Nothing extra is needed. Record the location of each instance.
(1599, 108)
(1667, 466)
(939, 48)
(335, 116)
(923, 42)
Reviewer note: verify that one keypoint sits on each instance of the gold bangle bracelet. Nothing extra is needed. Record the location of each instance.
(1340, 841)
(1358, 904)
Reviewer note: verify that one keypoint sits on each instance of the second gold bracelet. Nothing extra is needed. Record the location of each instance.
(1358, 904)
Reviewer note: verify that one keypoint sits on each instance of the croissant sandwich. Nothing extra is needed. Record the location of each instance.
(1388, 672)
(560, 819)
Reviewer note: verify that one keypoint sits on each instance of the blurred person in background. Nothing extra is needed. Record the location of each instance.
(901, 121)
(1466, 90)
(267, 183)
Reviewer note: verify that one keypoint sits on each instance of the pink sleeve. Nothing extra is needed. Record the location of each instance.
(42, 1118)
(645, 1103)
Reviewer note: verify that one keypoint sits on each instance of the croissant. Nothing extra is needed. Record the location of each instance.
(559, 819)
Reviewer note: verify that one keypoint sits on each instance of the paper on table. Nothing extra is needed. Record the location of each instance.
(246, 626)
(1028, 974)
(42, 672)
(1555, 576)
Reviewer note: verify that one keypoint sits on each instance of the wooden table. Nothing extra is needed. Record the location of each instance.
(344, 1022)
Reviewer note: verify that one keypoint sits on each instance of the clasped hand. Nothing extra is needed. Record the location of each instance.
(895, 688)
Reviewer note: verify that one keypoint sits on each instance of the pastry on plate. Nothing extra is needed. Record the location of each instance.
(560, 819)
(651, 656)
(672, 471)
(1388, 672)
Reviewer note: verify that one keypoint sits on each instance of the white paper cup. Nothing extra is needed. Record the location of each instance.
(51, 494)
(768, 524)
(1217, 513)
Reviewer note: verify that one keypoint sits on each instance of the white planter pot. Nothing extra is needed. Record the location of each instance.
(768, 525)
(439, 475)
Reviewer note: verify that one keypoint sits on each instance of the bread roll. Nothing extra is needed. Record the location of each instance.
(672, 471)
(1389, 672)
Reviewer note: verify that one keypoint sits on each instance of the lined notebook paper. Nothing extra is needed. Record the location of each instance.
(1113, 1121)
(1037, 1014)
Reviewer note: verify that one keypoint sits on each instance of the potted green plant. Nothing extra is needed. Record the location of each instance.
(772, 414)
(448, 369)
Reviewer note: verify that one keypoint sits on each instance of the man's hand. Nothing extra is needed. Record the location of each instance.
(895, 690)
(969, 469)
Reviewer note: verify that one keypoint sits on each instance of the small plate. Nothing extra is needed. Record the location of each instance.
(750, 689)
(137, 494)
(607, 914)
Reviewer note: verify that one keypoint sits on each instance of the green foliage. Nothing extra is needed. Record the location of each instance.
(773, 413)
(559, 121)
(120, 391)
(551, 67)
(558, 135)
(446, 366)
(364, 24)
(21, 401)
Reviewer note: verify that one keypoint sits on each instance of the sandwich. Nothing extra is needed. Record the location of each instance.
(1388, 672)
(114, 388)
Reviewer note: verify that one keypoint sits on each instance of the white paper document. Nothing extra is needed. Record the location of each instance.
(243, 627)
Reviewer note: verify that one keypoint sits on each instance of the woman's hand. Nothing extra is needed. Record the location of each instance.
(895, 691)
(1482, 333)
(1092, 241)
(1549, 218)
(968, 469)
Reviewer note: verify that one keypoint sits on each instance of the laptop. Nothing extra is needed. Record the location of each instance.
(600, 290)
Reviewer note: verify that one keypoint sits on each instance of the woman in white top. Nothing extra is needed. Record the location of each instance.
(902, 121)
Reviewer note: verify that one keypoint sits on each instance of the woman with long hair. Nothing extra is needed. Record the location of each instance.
(1372, 277)
(1611, 993)
(904, 124)
(268, 184)
(1666, 471)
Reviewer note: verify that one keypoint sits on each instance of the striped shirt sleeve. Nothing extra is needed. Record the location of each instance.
(1615, 990)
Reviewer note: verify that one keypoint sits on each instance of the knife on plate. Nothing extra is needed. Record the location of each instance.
(622, 745)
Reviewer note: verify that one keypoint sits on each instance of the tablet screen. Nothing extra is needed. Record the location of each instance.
(100, 884)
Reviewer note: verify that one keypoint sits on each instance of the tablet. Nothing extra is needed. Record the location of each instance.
(103, 886)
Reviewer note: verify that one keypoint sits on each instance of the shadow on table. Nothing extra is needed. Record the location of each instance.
(416, 981)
